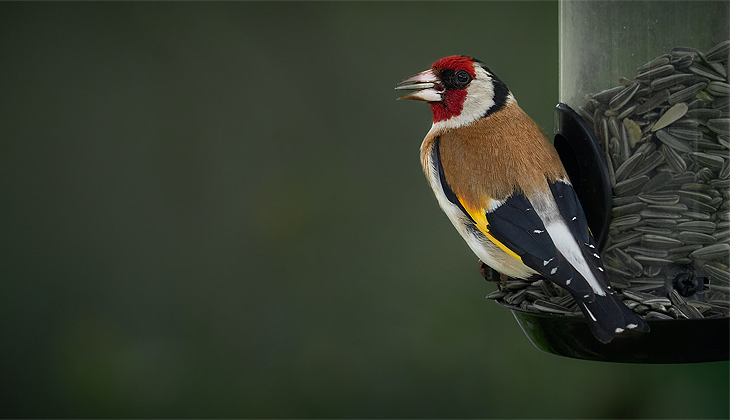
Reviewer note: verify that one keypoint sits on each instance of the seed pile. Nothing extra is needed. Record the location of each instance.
(666, 139)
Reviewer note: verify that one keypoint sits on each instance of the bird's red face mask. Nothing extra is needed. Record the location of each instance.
(443, 86)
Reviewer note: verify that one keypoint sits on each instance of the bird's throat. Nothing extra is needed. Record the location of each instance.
(451, 105)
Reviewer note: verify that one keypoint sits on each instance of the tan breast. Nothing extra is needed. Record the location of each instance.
(495, 156)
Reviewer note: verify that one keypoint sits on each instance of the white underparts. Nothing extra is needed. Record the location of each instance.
(489, 253)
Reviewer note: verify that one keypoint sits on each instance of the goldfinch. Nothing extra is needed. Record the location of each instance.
(502, 185)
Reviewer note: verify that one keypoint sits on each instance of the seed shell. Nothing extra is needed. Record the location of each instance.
(686, 93)
(717, 53)
(623, 96)
(712, 252)
(550, 307)
(718, 88)
(674, 113)
(660, 61)
(653, 102)
(673, 142)
(719, 125)
(656, 72)
(689, 237)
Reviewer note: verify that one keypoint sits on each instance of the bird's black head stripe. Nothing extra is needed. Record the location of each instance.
(501, 92)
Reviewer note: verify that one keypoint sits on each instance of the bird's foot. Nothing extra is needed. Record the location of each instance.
(488, 273)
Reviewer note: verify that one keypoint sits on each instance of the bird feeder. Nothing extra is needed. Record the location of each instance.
(643, 131)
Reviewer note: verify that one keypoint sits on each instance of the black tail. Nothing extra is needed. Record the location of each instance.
(608, 317)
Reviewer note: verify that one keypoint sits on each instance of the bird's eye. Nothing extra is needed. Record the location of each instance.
(462, 78)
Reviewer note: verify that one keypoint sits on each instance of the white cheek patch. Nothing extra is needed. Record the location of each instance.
(479, 99)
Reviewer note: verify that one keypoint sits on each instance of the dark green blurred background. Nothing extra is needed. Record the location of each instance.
(218, 210)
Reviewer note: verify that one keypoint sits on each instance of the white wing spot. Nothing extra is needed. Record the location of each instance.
(538, 231)
(589, 312)
(574, 218)
(619, 330)
(600, 268)
(631, 326)
(568, 281)
(554, 270)
(597, 256)
(586, 296)
(590, 246)
(544, 263)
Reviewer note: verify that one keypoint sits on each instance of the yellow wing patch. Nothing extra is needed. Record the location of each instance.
(480, 218)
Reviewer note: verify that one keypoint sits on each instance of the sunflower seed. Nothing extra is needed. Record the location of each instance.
(647, 165)
(686, 192)
(497, 294)
(649, 214)
(646, 252)
(550, 307)
(660, 242)
(673, 114)
(705, 72)
(515, 298)
(705, 174)
(621, 201)
(656, 315)
(627, 166)
(717, 68)
(712, 252)
(718, 88)
(629, 219)
(695, 215)
(673, 159)
(629, 262)
(605, 96)
(623, 97)
(689, 311)
(719, 125)
(668, 208)
(659, 180)
(630, 186)
(533, 295)
(685, 133)
(672, 141)
(666, 199)
(618, 271)
(628, 209)
(717, 53)
(517, 284)
(661, 223)
(640, 297)
(695, 238)
(717, 274)
(658, 62)
(653, 102)
(672, 80)
(653, 260)
(656, 72)
(686, 93)
(652, 270)
(653, 231)
(702, 307)
(698, 226)
(711, 161)
(703, 114)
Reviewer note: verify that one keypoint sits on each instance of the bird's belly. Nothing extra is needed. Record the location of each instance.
(487, 251)
(493, 255)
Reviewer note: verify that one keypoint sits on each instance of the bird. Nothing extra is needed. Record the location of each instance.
(503, 187)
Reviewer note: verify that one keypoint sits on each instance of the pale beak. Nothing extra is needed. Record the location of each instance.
(426, 86)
